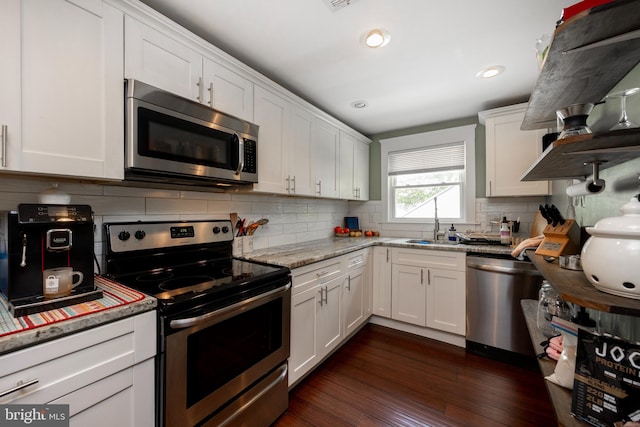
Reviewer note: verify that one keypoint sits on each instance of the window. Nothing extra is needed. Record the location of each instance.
(427, 171)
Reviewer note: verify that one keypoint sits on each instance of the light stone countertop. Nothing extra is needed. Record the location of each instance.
(44, 333)
(300, 254)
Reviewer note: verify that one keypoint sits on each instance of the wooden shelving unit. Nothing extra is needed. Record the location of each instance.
(560, 397)
(588, 55)
(572, 157)
(574, 287)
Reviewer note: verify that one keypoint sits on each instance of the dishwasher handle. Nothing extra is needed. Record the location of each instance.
(503, 269)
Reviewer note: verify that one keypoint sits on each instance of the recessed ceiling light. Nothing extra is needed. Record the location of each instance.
(489, 72)
(376, 38)
(359, 104)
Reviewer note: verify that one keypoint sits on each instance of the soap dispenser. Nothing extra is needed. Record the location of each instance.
(452, 234)
(505, 238)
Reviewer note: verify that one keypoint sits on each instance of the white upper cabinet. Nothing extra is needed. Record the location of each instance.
(324, 153)
(62, 88)
(299, 152)
(354, 168)
(154, 58)
(361, 170)
(172, 64)
(226, 90)
(271, 113)
(510, 152)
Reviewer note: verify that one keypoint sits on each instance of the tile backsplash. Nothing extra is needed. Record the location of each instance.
(291, 219)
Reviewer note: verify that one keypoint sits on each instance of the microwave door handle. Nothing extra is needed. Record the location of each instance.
(240, 153)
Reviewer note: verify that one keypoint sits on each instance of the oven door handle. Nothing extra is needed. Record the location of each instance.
(192, 321)
(283, 373)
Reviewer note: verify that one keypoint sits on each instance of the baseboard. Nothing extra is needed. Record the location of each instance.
(453, 339)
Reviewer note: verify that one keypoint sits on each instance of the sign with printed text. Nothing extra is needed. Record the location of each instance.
(34, 415)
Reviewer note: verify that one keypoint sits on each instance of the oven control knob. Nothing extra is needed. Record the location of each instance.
(225, 229)
(216, 230)
(124, 235)
(140, 234)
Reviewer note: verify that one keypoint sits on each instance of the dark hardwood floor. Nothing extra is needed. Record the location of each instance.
(383, 377)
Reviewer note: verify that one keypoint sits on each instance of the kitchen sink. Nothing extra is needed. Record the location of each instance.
(419, 241)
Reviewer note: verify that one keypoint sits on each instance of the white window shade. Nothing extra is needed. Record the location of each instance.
(424, 160)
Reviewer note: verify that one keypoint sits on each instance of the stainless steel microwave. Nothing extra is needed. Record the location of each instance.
(174, 140)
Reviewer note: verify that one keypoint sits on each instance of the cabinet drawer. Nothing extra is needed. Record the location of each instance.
(306, 277)
(70, 363)
(429, 258)
(358, 259)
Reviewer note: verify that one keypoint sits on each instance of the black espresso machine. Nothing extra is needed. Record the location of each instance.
(38, 237)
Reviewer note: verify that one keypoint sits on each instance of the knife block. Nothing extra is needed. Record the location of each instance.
(563, 239)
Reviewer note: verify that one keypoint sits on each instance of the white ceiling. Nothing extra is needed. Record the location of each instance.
(425, 75)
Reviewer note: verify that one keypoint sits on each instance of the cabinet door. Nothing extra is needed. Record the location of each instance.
(354, 304)
(10, 98)
(326, 143)
(71, 122)
(299, 161)
(227, 91)
(271, 113)
(361, 170)
(382, 281)
(446, 300)
(330, 316)
(408, 294)
(304, 329)
(347, 145)
(159, 60)
(510, 152)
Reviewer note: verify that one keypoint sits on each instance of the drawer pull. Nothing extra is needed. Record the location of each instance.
(322, 273)
(19, 386)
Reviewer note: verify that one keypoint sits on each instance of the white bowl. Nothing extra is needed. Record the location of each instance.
(611, 256)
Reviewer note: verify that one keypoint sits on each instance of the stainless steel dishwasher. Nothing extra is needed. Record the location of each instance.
(495, 324)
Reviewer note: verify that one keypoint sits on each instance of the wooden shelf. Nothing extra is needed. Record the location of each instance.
(566, 158)
(560, 397)
(574, 287)
(588, 55)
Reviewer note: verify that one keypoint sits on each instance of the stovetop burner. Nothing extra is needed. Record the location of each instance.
(184, 282)
(183, 264)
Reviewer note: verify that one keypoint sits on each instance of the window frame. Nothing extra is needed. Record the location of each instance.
(464, 134)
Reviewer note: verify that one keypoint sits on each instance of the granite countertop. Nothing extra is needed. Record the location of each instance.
(301, 254)
(44, 333)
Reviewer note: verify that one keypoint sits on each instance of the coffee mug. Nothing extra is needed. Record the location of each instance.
(58, 282)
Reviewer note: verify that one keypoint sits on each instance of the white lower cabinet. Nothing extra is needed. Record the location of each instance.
(445, 309)
(427, 289)
(105, 374)
(330, 301)
(381, 281)
(357, 291)
(408, 294)
(316, 315)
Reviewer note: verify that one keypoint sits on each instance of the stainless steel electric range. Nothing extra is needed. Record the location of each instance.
(223, 323)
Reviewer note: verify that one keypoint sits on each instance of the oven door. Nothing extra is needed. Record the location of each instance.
(215, 359)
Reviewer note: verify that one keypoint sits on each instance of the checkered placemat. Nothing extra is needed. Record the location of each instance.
(114, 295)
